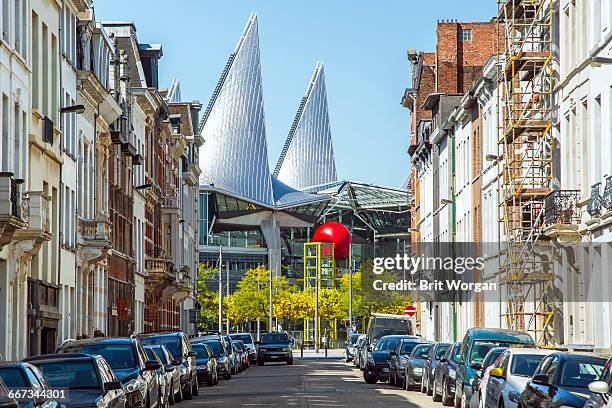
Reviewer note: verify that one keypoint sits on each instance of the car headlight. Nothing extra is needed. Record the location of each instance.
(222, 360)
(286, 348)
(417, 370)
(202, 367)
(514, 396)
(370, 360)
(132, 385)
(183, 370)
(452, 373)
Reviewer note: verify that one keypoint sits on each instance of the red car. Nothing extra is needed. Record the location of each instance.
(243, 351)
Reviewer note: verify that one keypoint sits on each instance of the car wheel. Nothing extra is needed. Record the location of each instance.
(392, 379)
(179, 397)
(458, 399)
(422, 384)
(446, 399)
(501, 404)
(290, 362)
(196, 387)
(434, 393)
(370, 379)
(189, 394)
(260, 363)
(428, 387)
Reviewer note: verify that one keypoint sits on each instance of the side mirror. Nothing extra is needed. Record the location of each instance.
(539, 379)
(257, 343)
(192, 354)
(599, 387)
(496, 372)
(476, 366)
(152, 365)
(459, 359)
(443, 359)
(112, 385)
(169, 368)
(175, 362)
(393, 353)
(369, 348)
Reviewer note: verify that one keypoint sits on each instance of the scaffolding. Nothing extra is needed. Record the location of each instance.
(525, 79)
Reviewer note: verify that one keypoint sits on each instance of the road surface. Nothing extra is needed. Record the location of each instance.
(307, 383)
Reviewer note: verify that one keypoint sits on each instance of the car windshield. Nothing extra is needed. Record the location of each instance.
(200, 350)
(388, 344)
(480, 348)
(389, 326)
(491, 357)
(150, 354)
(421, 351)
(12, 377)
(160, 353)
(580, 373)
(524, 365)
(216, 347)
(118, 356)
(69, 374)
(353, 339)
(407, 347)
(245, 338)
(270, 338)
(441, 351)
(172, 344)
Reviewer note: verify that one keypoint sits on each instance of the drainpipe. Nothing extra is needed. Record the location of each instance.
(453, 222)
(61, 126)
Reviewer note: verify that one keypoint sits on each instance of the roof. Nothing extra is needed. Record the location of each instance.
(98, 340)
(59, 356)
(307, 158)
(499, 334)
(529, 351)
(234, 158)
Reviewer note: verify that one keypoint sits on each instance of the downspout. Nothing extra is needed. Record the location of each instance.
(61, 126)
(453, 223)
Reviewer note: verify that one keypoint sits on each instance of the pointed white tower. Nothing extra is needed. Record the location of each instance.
(234, 156)
(307, 158)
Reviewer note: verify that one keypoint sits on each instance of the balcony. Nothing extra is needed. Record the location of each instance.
(181, 288)
(159, 274)
(179, 144)
(595, 201)
(191, 173)
(561, 215)
(170, 201)
(606, 198)
(35, 210)
(94, 240)
(11, 214)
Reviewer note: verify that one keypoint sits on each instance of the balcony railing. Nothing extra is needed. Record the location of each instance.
(35, 209)
(561, 207)
(94, 229)
(606, 198)
(595, 201)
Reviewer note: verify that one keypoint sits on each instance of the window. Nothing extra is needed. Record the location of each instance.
(45, 68)
(35, 63)
(466, 35)
(5, 20)
(17, 143)
(4, 165)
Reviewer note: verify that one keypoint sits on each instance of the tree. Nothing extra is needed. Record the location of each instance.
(207, 298)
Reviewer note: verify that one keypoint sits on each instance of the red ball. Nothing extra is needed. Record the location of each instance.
(337, 234)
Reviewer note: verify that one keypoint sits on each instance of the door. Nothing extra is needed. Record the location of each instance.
(47, 340)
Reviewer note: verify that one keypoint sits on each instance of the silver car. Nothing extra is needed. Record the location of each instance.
(172, 374)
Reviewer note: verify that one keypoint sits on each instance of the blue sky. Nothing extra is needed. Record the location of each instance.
(362, 44)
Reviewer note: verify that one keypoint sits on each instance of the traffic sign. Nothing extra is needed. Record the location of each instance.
(410, 310)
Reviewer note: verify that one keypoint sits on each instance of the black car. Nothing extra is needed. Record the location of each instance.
(177, 343)
(481, 375)
(413, 368)
(398, 359)
(274, 347)
(207, 364)
(88, 380)
(19, 376)
(377, 362)
(562, 379)
(444, 378)
(220, 354)
(435, 354)
(129, 361)
(5, 400)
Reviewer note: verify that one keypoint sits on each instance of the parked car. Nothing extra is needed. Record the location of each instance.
(207, 364)
(377, 362)
(88, 380)
(179, 347)
(479, 383)
(476, 344)
(231, 354)
(386, 325)
(128, 360)
(509, 376)
(247, 339)
(359, 350)
(601, 397)
(176, 391)
(163, 377)
(413, 369)
(562, 380)
(445, 375)
(274, 347)
(398, 359)
(349, 349)
(220, 354)
(435, 354)
(244, 354)
(5, 400)
(19, 376)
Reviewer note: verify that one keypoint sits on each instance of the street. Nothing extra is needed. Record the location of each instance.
(308, 383)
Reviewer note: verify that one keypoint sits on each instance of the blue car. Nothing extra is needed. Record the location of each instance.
(562, 380)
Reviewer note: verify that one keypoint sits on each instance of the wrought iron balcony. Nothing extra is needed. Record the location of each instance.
(11, 214)
(35, 211)
(94, 239)
(606, 199)
(561, 207)
(594, 206)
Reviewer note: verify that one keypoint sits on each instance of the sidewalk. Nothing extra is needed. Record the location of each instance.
(334, 354)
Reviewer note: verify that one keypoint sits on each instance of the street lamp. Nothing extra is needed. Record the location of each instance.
(492, 157)
(597, 62)
(445, 201)
(73, 109)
